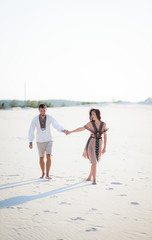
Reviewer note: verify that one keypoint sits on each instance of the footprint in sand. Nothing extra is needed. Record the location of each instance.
(65, 203)
(143, 233)
(91, 230)
(123, 195)
(93, 209)
(19, 208)
(70, 180)
(77, 218)
(13, 175)
(116, 183)
(134, 203)
(109, 188)
(98, 226)
(46, 211)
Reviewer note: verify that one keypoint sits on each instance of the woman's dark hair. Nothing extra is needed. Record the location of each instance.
(42, 105)
(97, 112)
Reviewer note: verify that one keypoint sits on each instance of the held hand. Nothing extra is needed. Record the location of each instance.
(103, 150)
(65, 131)
(30, 145)
(68, 132)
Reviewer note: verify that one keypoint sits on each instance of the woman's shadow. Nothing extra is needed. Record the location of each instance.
(14, 201)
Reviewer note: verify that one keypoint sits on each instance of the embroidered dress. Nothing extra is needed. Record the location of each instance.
(93, 149)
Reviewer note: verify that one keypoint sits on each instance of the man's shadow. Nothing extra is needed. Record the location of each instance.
(14, 201)
(20, 183)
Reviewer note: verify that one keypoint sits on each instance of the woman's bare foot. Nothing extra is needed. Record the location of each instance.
(48, 177)
(94, 182)
(88, 179)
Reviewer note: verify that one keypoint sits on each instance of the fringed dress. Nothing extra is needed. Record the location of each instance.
(93, 149)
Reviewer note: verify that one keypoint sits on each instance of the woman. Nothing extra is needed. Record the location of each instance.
(94, 147)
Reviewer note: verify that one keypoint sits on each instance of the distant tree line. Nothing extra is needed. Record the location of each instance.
(86, 103)
(2, 106)
(34, 104)
(16, 103)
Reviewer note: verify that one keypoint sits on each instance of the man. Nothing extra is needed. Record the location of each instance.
(42, 123)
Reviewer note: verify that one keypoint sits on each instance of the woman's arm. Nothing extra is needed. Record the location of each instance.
(104, 138)
(79, 129)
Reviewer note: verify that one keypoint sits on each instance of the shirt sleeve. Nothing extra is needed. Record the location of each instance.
(31, 131)
(56, 125)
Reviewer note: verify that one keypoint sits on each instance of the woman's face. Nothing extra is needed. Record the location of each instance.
(93, 116)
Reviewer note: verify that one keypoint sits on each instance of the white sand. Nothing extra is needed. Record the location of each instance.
(118, 207)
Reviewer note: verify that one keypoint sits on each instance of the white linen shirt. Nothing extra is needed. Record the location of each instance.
(45, 134)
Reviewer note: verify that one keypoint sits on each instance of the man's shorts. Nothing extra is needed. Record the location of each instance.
(44, 147)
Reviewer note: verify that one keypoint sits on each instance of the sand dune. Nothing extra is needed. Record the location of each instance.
(68, 207)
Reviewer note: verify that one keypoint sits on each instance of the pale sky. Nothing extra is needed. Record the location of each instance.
(87, 50)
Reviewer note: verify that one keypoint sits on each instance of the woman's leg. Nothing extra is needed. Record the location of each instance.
(90, 175)
(94, 165)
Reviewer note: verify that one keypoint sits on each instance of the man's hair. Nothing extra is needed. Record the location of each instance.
(42, 105)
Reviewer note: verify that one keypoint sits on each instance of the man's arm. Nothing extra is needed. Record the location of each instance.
(31, 133)
(57, 126)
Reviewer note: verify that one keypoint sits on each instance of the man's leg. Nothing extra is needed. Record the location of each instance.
(42, 165)
(48, 165)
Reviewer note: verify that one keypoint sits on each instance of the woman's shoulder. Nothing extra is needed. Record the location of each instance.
(103, 123)
(89, 124)
(104, 128)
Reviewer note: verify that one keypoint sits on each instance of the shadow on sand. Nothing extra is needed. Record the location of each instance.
(14, 201)
(18, 184)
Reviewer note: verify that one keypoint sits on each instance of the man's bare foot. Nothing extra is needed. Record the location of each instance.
(42, 176)
(48, 177)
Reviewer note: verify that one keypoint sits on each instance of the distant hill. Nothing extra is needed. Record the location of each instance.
(59, 103)
(147, 101)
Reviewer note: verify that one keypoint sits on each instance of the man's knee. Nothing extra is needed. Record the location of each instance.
(48, 156)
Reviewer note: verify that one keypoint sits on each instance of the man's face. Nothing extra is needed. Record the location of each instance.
(42, 111)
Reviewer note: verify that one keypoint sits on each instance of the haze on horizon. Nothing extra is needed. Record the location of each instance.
(76, 50)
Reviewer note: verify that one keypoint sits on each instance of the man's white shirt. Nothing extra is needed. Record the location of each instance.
(43, 135)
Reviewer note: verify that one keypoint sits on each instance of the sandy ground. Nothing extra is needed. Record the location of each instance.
(68, 207)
